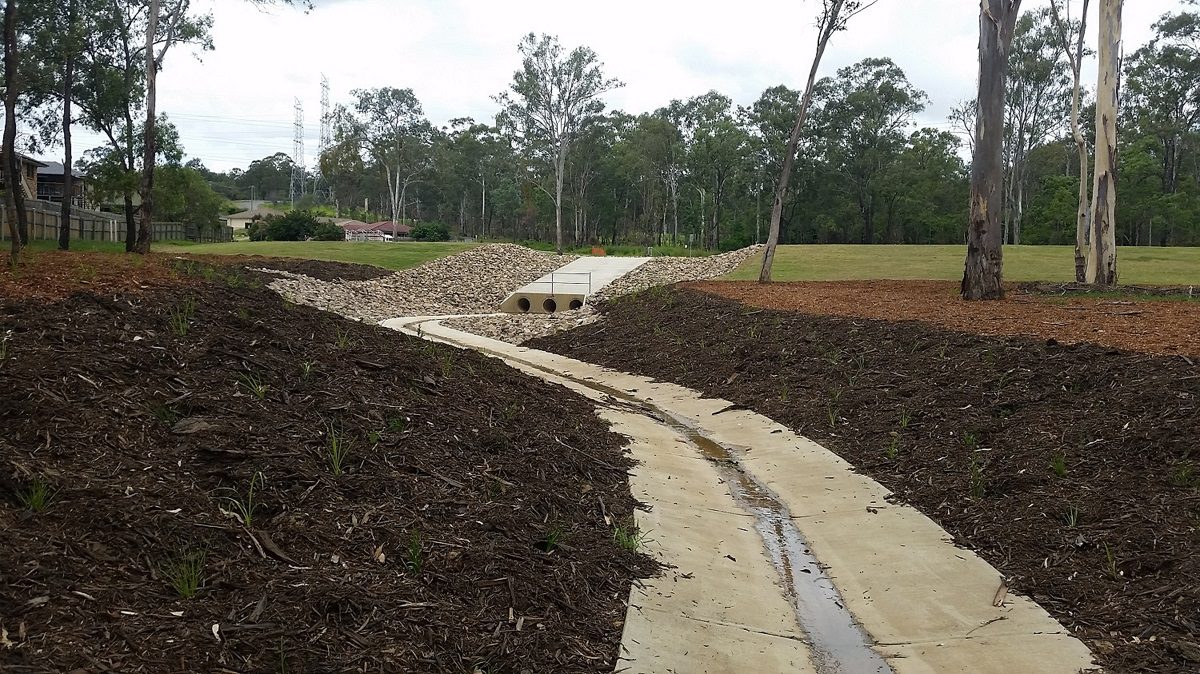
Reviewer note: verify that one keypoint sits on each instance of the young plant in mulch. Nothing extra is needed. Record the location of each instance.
(628, 537)
(306, 369)
(36, 495)
(554, 538)
(165, 413)
(254, 385)
(831, 408)
(180, 316)
(243, 505)
(976, 480)
(5, 338)
(414, 553)
(396, 424)
(1071, 516)
(1058, 464)
(185, 572)
(342, 338)
(1110, 563)
(337, 449)
(893, 449)
(1184, 475)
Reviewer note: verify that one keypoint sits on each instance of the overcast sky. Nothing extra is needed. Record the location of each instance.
(235, 104)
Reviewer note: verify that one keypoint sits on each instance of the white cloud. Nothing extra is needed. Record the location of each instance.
(235, 105)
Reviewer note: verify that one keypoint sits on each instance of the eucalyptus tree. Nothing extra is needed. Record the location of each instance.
(551, 98)
(983, 275)
(717, 144)
(834, 16)
(387, 126)
(179, 25)
(863, 117)
(1102, 256)
(1038, 98)
(13, 198)
(1071, 36)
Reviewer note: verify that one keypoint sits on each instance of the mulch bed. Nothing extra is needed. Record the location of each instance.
(467, 533)
(1071, 468)
(324, 270)
(1134, 321)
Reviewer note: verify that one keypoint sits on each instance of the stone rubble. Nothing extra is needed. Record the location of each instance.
(476, 281)
(518, 328)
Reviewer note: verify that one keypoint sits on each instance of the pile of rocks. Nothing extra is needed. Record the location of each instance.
(519, 328)
(472, 282)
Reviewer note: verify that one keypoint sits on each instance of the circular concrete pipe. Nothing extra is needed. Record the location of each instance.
(576, 304)
(523, 304)
(549, 305)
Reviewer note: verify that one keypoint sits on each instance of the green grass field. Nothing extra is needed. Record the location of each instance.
(830, 262)
(400, 255)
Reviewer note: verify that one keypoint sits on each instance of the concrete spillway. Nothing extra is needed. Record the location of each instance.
(569, 286)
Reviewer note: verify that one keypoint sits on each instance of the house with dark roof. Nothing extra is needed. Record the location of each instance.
(51, 183)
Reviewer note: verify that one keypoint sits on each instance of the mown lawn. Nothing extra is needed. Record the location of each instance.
(400, 255)
(831, 262)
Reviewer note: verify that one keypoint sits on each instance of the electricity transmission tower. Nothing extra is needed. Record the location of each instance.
(297, 186)
(326, 136)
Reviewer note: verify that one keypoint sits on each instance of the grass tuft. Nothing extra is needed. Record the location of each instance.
(252, 383)
(337, 449)
(414, 553)
(628, 537)
(185, 572)
(37, 495)
(244, 505)
(180, 316)
(1058, 464)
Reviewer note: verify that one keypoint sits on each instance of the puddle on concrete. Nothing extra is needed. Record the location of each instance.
(838, 644)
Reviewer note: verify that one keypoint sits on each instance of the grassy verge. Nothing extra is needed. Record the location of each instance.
(625, 251)
(1140, 265)
(387, 255)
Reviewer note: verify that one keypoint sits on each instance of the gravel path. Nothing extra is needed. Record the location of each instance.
(476, 281)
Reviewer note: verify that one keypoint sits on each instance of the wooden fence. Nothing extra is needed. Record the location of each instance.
(45, 216)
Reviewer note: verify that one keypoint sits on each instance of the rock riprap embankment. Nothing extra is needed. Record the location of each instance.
(476, 281)
(472, 282)
(518, 328)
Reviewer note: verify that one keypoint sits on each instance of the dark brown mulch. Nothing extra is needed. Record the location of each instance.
(319, 269)
(463, 536)
(1135, 323)
(979, 423)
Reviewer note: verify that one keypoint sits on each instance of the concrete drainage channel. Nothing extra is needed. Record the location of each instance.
(838, 643)
(786, 559)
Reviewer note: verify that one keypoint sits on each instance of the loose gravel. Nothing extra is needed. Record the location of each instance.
(518, 328)
(476, 281)
(472, 282)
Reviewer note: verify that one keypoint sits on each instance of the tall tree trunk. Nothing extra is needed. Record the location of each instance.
(829, 24)
(1102, 259)
(64, 222)
(13, 179)
(1076, 61)
(149, 140)
(983, 276)
(560, 167)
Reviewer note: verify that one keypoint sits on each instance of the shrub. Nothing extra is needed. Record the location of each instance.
(327, 231)
(430, 231)
(293, 226)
